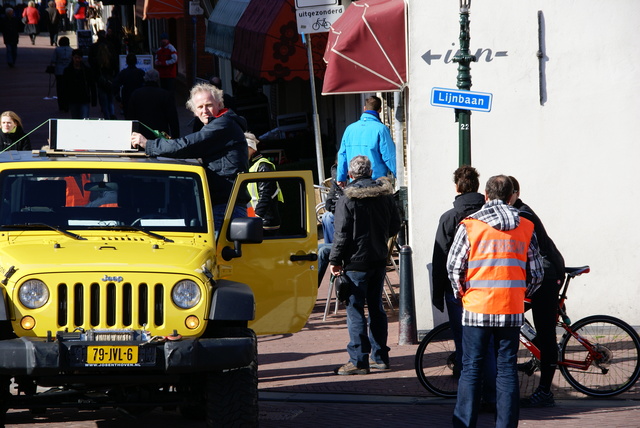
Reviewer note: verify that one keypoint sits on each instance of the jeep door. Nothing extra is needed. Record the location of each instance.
(282, 270)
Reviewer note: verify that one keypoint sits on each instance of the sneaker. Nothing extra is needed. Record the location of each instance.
(539, 399)
(529, 367)
(350, 369)
(379, 366)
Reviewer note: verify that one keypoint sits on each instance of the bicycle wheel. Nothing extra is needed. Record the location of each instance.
(435, 359)
(618, 367)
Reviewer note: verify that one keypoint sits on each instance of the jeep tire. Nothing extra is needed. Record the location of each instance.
(232, 395)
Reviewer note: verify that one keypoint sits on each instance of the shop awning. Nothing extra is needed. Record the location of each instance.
(267, 45)
(222, 25)
(366, 50)
(163, 9)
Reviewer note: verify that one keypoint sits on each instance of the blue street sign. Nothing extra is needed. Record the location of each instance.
(464, 100)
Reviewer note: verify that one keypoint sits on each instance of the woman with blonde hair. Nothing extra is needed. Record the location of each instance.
(12, 132)
(31, 18)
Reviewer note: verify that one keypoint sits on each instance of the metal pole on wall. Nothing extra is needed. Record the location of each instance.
(464, 59)
(306, 39)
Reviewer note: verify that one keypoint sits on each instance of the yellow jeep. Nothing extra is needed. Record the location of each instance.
(116, 292)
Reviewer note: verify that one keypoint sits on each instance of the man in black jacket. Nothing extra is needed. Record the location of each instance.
(468, 201)
(221, 144)
(266, 195)
(10, 27)
(544, 306)
(365, 218)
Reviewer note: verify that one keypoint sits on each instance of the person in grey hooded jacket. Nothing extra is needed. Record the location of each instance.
(365, 218)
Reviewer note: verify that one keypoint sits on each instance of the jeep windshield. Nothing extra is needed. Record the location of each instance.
(118, 199)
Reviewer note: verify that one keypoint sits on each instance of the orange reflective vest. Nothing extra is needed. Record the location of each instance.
(496, 280)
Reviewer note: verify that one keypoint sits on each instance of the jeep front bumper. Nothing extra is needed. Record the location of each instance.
(39, 357)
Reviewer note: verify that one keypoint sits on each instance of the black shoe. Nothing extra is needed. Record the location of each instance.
(529, 367)
(538, 399)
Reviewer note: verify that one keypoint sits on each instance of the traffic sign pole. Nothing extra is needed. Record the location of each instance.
(464, 59)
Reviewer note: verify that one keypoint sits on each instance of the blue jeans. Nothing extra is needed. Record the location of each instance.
(327, 227)
(105, 99)
(454, 309)
(323, 260)
(367, 289)
(79, 111)
(475, 342)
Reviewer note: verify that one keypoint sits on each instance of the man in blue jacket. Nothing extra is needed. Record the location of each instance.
(371, 138)
(221, 144)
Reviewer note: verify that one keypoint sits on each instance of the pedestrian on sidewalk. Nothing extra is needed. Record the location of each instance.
(12, 132)
(365, 218)
(493, 264)
(127, 81)
(79, 87)
(370, 137)
(167, 63)
(10, 27)
(544, 307)
(467, 202)
(103, 60)
(60, 60)
(53, 23)
(61, 6)
(80, 11)
(154, 107)
(31, 18)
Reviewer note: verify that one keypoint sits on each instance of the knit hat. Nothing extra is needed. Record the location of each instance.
(164, 36)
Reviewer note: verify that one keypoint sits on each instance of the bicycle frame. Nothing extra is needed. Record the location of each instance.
(564, 322)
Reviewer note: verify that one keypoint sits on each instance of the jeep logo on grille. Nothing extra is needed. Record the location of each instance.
(108, 278)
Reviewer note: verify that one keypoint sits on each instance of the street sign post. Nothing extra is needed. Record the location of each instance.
(316, 16)
(462, 100)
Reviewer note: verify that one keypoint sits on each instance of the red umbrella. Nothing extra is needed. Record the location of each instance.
(366, 50)
(267, 44)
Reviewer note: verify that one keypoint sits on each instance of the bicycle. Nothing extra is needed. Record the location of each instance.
(321, 22)
(597, 355)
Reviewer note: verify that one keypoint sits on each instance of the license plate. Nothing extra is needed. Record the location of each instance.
(112, 355)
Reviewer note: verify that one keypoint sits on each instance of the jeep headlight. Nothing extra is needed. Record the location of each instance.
(33, 294)
(186, 294)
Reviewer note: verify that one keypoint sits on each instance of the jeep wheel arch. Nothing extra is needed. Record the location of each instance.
(232, 301)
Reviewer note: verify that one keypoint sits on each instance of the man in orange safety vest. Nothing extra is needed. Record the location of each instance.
(493, 263)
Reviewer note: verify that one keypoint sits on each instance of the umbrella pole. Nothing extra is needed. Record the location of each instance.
(306, 38)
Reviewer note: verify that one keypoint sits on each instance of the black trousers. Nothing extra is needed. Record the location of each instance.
(544, 307)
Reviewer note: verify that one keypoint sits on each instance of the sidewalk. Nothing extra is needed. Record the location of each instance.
(304, 362)
(297, 386)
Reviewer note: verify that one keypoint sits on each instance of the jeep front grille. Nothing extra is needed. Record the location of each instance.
(110, 305)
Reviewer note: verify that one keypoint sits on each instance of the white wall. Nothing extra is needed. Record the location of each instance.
(575, 156)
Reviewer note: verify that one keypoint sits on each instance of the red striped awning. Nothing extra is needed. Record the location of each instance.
(157, 9)
(366, 50)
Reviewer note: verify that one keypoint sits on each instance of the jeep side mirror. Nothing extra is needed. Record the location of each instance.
(247, 230)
